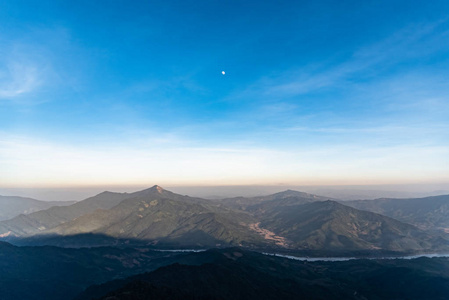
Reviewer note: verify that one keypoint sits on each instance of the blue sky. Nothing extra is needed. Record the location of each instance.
(315, 92)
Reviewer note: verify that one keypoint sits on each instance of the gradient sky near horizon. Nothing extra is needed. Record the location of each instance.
(314, 92)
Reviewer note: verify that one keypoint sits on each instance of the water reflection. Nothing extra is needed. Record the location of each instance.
(351, 258)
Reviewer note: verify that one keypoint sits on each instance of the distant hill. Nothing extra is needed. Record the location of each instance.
(426, 213)
(239, 274)
(306, 221)
(12, 206)
(331, 225)
(290, 220)
(288, 196)
(37, 222)
(367, 193)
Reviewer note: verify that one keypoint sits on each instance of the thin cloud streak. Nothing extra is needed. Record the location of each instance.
(366, 62)
(392, 130)
(17, 79)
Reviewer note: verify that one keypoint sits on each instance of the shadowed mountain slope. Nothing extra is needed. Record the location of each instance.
(52, 273)
(239, 274)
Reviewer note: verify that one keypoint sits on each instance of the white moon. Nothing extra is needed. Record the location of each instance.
(223, 72)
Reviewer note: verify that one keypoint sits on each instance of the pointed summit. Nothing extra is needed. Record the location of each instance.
(154, 189)
(159, 192)
(158, 189)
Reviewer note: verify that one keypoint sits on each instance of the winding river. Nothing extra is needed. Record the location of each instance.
(352, 258)
(336, 259)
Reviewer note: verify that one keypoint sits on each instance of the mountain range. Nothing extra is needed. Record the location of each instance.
(286, 221)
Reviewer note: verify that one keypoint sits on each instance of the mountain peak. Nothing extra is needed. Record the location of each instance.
(157, 188)
(154, 189)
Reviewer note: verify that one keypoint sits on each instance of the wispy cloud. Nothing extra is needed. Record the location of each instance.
(30, 63)
(369, 61)
(392, 135)
(18, 78)
(384, 93)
